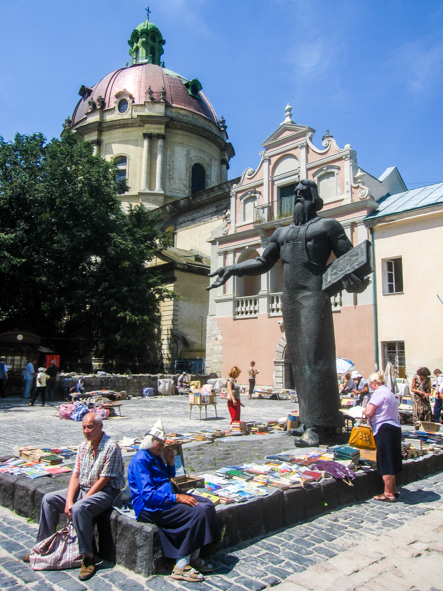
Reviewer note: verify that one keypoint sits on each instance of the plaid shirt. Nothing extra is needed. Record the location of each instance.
(107, 462)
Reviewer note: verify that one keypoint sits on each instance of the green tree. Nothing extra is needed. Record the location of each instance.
(73, 265)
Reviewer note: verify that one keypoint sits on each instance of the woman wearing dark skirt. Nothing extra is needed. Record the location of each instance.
(421, 389)
(382, 411)
(186, 522)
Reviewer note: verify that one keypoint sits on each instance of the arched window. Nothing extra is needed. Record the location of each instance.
(198, 178)
(122, 168)
(152, 54)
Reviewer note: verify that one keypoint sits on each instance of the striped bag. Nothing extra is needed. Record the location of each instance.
(57, 552)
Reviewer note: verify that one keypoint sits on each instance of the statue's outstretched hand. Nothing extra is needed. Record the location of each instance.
(354, 284)
(224, 273)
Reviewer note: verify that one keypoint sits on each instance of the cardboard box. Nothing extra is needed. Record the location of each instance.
(293, 421)
(430, 427)
(186, 482)
(183, 480)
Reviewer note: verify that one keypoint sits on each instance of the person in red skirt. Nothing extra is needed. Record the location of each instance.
(234, 404)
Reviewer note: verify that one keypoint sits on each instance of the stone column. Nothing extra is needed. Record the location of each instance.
(233, 211)
(303, 169)
(348, 178)
(230, 281)
(96, 144)
(224, 170)
(145, 164)
(160, 159)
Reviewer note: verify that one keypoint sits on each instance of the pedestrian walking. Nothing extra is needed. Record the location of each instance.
(252, 373)
(29, 376)
(40, 386)
(52, 371)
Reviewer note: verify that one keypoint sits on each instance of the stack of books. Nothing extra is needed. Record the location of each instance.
(51, 459)
(346, 452)
(239, 427)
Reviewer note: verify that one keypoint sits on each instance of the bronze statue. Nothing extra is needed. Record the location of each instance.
(304, 248)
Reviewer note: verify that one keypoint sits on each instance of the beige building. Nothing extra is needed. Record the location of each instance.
(166, 140)
(408, 238)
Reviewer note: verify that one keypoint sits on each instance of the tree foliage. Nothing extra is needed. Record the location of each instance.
(72, 263)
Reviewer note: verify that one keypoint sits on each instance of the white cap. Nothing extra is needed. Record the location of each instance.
(356, 374)
(157, 430)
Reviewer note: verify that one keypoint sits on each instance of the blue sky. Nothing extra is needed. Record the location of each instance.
(369, 71)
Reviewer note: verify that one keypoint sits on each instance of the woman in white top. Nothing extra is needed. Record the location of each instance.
(382, 410)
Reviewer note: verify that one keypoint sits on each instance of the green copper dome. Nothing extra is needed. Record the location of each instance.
(146, 44)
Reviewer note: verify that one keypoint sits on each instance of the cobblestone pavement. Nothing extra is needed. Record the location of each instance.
(22, 425)
(318, 554)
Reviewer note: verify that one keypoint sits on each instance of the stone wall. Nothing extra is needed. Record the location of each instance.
(214, 347)
(133, 384)
(137, 545)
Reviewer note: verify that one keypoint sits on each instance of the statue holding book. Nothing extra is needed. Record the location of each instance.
(308, 283)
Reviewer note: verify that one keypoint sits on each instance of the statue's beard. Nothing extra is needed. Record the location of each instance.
(303, 212)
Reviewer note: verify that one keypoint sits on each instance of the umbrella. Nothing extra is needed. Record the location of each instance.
(390, 380)
(343, 365)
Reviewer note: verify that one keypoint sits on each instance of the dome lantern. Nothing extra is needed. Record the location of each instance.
(146, 44)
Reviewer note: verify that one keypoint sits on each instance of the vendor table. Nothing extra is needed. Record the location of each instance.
(200, 405)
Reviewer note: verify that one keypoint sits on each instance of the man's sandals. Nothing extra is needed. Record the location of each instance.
(187, 574)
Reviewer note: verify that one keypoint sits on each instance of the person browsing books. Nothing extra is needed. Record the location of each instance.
(186, 522)
(382, 410)
(234, 404)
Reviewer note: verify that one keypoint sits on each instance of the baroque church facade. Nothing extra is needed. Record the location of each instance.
(245, 315)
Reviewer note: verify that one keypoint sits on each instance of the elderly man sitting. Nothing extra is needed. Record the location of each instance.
(96, 480)
(186, 522)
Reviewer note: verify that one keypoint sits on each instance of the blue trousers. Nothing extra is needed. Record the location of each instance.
(28, 386)
(437, 409)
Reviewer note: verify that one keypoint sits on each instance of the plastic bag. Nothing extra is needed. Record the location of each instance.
(65, 410)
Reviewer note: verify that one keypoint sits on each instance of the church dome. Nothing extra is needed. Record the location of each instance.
(146, 79)
(142, 82)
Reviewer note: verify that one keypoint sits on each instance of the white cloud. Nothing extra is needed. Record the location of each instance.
(418, 65)
(311, 59)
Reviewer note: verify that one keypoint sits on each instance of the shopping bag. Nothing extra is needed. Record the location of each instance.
(65, 410)
(362, 437)
(57, 552)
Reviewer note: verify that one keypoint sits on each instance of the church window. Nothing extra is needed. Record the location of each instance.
(152, 54)
(198, 178)
(286, 200)
(123, 105)
(122, 168)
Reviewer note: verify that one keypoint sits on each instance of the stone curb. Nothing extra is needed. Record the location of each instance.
(137, 547)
